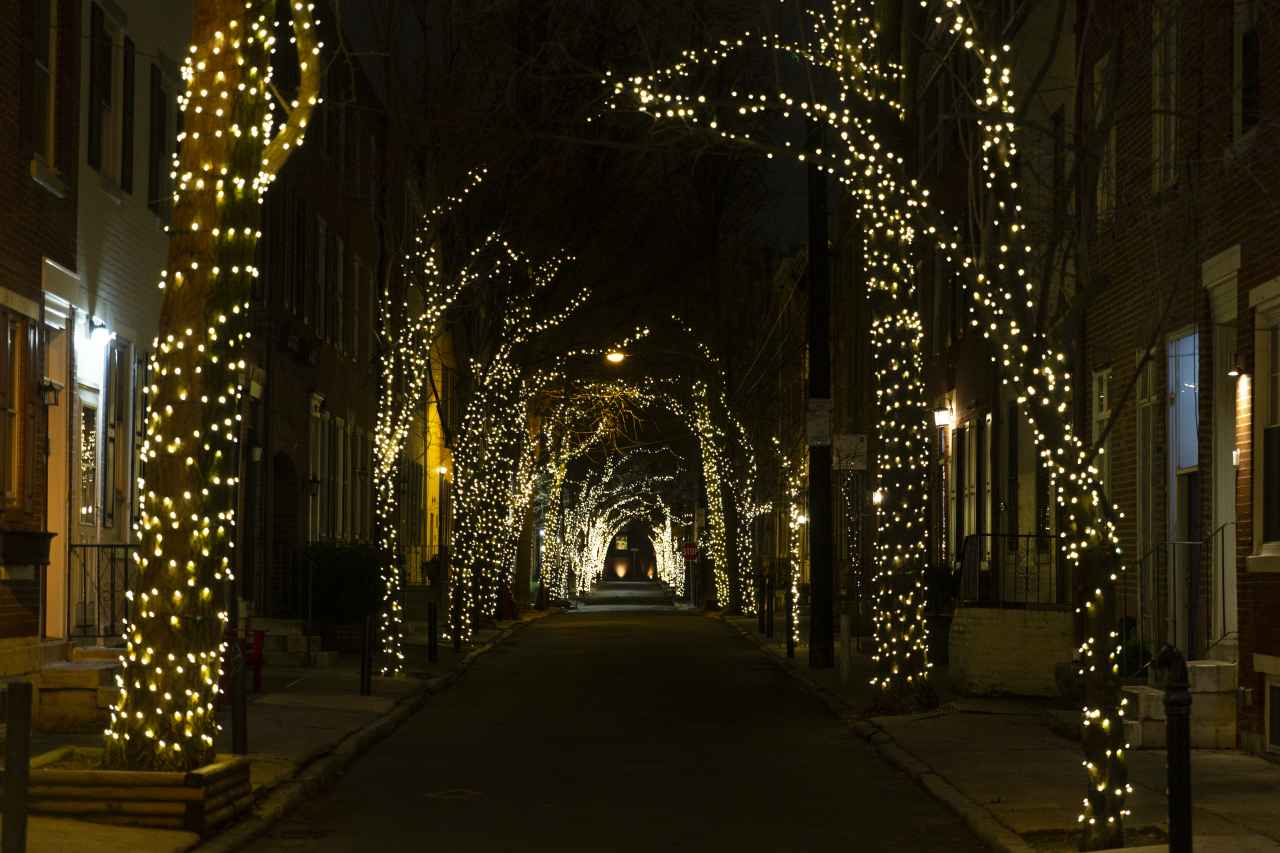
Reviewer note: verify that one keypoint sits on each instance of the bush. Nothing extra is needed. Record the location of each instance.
(347, 582)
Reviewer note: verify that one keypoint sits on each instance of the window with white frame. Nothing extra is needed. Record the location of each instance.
(1270, 423)
(40, 51)
(1164, 93)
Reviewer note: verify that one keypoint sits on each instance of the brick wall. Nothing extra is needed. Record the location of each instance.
(1008, 651)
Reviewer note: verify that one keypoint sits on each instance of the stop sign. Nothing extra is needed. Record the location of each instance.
(689, 551)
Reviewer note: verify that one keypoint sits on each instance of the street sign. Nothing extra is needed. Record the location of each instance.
(689, 551)
(817, 428)
(849, 452)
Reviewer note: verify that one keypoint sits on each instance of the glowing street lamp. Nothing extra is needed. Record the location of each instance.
(615, 357)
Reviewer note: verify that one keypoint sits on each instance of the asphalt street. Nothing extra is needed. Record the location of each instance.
(624, 725)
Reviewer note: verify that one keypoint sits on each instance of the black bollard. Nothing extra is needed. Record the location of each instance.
(366, 657)
(17, 769)
(768, 603)
(433, 652)
(239, 701)
(790, 626)
(1177, 713)
(760, 605)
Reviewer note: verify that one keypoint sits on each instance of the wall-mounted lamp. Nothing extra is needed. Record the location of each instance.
(255, 450)
(362, 474)
(48, 390)
(444, 470)
(313, 485)
(1233, 366)
(941, 416)
(877, 497)
(98, 332)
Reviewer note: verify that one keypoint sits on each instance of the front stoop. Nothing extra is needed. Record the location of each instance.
(285, 644)
(77, 695)
(1213, 708)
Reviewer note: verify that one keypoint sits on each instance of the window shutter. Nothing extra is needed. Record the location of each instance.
(156, 143)
(126, 119)
(26, 393)
(97, 36)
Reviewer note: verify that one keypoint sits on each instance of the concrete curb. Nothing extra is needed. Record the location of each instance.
(982, 823)
(322, 774)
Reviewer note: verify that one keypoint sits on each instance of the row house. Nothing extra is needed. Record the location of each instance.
(41, 123)
(1180, 348)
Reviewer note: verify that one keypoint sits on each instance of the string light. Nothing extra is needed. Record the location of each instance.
(164, 718)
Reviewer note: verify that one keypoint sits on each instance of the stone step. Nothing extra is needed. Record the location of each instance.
(1147, 704)
(275, 626)
(76, 709)
(318, 658)
(1205, 734)
(1205, 676)
(83, 674)
(100, 653)
(289, 643)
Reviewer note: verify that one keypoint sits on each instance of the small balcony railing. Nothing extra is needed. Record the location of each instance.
(999, 569)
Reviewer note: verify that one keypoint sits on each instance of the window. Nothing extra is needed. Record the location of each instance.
(1271, 441)
(315, 477)
(1059, 152)
(39, 48)
(159, 196)
(1164, 90)
(1012, 425)
(318, 301)
(339, 295)
(355, 308)
(1248, 54)
(88, 464)
(126, 118)
(1104, 136)
(1101, 416)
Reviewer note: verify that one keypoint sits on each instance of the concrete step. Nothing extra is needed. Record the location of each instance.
(76, 709)
(289, 643)
(1205, 676)
(1205, 734)
(318, 658)
(275, 626)
(82, 674)
(99, 653)
(1145, 703)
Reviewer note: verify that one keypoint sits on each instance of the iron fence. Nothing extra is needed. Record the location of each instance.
(102, 576)
(1012, 569)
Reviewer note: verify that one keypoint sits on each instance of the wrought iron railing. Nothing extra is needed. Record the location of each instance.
(102, 576)
(1174, 593)
(1012, 569)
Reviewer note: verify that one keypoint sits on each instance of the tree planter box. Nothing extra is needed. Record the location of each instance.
(195, 801)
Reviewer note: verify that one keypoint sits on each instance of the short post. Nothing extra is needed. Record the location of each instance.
(239, 701)
(844, 645)
(457, 617)
(768, 603)
(433, 652)
(17, 769)
(760, 609)
(1177, 713)
(790, 625)
(366, 657)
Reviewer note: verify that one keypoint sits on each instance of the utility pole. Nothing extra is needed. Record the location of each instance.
(821, 620)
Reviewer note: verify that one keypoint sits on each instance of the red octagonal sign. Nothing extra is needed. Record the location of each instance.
(689, 551)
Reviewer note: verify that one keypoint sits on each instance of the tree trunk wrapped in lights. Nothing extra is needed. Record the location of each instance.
(165, 716)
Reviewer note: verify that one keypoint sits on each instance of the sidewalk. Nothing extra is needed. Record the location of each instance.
(305, 727)
(1001, 756)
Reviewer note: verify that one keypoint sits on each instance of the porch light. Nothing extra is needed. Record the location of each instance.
(49, 389)
(941, 416)
(313, 485)
(1233, 368)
